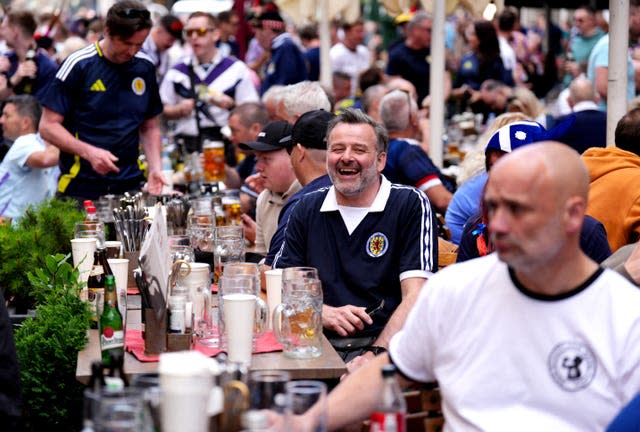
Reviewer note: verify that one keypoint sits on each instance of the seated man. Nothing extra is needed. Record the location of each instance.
(29, 170)
(370, 240)
(407, 162)
(614, 191)
(536, 334)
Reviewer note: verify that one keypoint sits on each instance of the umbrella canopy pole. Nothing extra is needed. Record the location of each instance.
(617, 85)
(436, 89)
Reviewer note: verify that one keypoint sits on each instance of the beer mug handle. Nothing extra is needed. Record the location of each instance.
(278, 316)
(262, 314)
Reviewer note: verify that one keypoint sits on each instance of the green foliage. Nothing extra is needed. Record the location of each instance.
(43, 230)
(47, 348)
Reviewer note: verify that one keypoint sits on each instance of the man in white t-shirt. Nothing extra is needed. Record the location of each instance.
(533, 337)
(349, 55)
(29, 170)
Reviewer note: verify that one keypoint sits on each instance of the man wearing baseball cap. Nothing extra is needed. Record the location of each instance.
(287, 64)
(307, 148)
(166, 31)
(275, 171)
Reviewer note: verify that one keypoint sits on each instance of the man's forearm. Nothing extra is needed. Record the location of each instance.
(58, 136)
(152, 144)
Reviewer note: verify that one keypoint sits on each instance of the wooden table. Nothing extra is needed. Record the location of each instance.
(328, 365)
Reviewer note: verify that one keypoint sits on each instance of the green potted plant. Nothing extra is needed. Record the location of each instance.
(43, 230)
(47, 346)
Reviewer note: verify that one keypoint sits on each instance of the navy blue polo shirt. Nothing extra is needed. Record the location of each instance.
(103, 104)
(396, 240)
(412, 65)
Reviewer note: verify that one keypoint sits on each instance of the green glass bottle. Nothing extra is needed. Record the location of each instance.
(111, 330)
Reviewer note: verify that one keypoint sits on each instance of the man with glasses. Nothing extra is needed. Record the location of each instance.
(199, 91)
(410, 59)
(101, 106)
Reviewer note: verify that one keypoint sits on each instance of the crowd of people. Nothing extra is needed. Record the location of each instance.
(534, 331)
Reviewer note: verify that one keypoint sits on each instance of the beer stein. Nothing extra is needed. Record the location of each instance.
(297, 321)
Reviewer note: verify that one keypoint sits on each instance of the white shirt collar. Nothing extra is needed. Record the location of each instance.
(330, 202)
(585, 105)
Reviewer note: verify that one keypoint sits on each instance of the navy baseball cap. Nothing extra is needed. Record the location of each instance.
(269, 137)
(310, 130)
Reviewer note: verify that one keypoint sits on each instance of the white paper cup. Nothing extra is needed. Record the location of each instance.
(239, 317)
(188, 393)
(120, 269)
(274, 291)
(82, 250)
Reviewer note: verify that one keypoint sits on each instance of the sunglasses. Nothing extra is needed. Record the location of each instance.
(131, 13)
(198, 31)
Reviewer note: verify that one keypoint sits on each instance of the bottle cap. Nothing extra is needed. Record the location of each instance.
(87, 203)
(91, 209)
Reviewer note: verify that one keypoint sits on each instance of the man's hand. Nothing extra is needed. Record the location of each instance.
(249, 228)
(357, 362)
(26, 69)
(345, 320)
(222, 100)
(255, 182)
(155, 181)
(102, 161)
(186, 107)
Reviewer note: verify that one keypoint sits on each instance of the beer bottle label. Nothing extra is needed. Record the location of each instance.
(110, 338)
(382, 421)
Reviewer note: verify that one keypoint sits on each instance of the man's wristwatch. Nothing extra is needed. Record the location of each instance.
(376, 349)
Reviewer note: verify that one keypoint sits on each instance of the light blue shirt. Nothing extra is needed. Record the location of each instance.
(21, 186)
(600, 58)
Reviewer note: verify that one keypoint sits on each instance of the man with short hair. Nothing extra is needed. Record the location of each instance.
(274, 168)
(577, 326)
(199, 91)
(614, 193)
(580, 45)
(228, 27)
(287, 64)
(102, 105)
(300, 98)
(30, 68)
(27, 171)
(407, 163)
(162, 36)
(589, 124)
(350, 55)
(373, 242)
(410, 59)
(308, 151)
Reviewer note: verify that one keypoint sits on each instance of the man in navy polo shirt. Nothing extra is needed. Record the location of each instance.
(101, 106)
(373, 242)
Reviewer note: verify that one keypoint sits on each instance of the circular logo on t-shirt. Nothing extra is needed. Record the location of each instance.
(138, 86)
(377, 245)
(572, 365)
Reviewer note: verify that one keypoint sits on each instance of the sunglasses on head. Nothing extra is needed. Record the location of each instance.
(197, 31)
(131, 13)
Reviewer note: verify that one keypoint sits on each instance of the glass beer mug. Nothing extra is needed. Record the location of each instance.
(297, 321)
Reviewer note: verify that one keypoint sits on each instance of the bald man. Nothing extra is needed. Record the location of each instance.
(589, 128)
(535, 335)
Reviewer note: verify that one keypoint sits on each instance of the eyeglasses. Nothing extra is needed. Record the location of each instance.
(198, 31)
(131, 13)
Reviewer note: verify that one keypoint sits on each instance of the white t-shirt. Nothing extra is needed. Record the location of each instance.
(350, 62)
(507, 360)
(20, 185)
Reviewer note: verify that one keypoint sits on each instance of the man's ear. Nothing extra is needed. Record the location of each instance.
(574, 214)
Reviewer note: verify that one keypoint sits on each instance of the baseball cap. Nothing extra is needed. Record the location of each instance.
(269, 137)
(270, 19)
(172, 25)
(310, 130)
(515, 135)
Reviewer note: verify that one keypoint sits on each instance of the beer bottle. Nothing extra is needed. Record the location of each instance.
(111, 329)
(95, 287)
(390, 416)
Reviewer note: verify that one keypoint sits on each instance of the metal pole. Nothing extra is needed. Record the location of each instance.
(436, 87)
(617, 85)
(325, 43)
